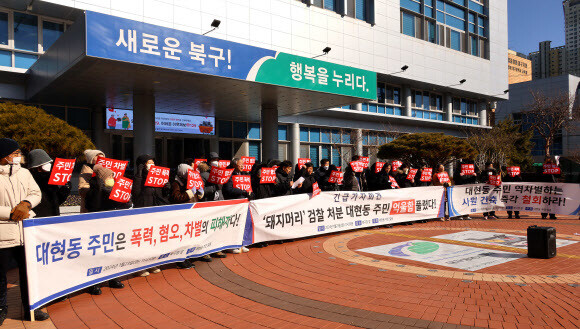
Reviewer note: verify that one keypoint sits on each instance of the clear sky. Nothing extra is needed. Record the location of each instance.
(533, 21)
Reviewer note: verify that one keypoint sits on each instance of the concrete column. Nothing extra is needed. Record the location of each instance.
(213, 145)
(100, 139)
(269, 118)
(448, 108)
(359, 142)
(294, 143)
(358, 107)
(407, 101)
(143, 124)
(482, 114)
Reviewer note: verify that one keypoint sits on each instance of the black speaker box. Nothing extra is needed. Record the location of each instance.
(541, 242)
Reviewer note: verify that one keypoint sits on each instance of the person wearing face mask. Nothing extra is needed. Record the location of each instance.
(40, 165)
(19, 193)
(98, 200)
(322, 175)
(230, 192)
(283, 185)
(147, 196)
(87, 173)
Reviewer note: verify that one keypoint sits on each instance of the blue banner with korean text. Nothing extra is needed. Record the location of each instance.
(120, 39)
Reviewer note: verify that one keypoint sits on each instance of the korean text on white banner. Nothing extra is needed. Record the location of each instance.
(296, 216)
(68, 253)
(473, 198)
(554, 198)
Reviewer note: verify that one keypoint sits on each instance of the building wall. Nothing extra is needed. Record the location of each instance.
(291, 26)
(520, 68)
(521, 97)
(547, 61)
(572, 20)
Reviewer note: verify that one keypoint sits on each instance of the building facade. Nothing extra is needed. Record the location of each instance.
(519, 67)
(547, 61)
(438, 67)
(567, 142)
(572, 20)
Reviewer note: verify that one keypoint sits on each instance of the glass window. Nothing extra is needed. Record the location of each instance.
(428, 11)
(456, 105)
(314, 154)
(365, 139)
(254, 130)
(381, 109)
(408, 24)
(411, 5)
(336, 157)
(418, 99)
(426, 101)
(224, 129)
(471, 18)
(3, 28)
(25, 32)
(254, 150)
(303, 134)
(455, 38)
(455, 11)
(282, 133)
(315, 135)
(373, 108)
(440, 17)
(398, 111)
(365, 107)
(24, 61)
(240, 129)
(324, 153)
(474, 43)
(317, 3)
(50, 33)
(325, 136)
(335, 137)
(389, 110)
(396, 96)
(346, 137)
(225, 150)
(381, 92)
(431, 37)
(476, 7)
(329, 4)
(373, 139)
(454, 22)
(361, 10)
(57, 111)
(80, 118)
(439, 103)
(5, 58)
(463, 107)
(461, 2)
(471, 28)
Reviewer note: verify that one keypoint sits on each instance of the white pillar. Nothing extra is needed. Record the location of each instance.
(358, 136)
(269, 120)
(483, 114)
(408, 101)
(359, 142)
(448, 108)
(294, 143)
(143, 124)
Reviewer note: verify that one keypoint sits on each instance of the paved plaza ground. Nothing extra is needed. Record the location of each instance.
(330, 282)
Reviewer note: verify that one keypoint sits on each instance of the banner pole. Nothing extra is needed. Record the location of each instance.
(32, 319)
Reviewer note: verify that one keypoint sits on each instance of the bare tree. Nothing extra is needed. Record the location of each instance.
(550, 115)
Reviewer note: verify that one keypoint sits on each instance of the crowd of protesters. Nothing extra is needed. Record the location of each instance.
(26, 193)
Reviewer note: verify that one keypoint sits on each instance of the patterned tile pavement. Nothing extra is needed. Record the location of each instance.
(324, 282)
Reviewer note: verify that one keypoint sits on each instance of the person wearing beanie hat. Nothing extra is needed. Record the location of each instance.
(40, 165)
(19, 193)
(97, 199)
(87, 173)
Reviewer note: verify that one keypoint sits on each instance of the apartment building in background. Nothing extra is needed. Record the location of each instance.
(547, 61)
(572, 20)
